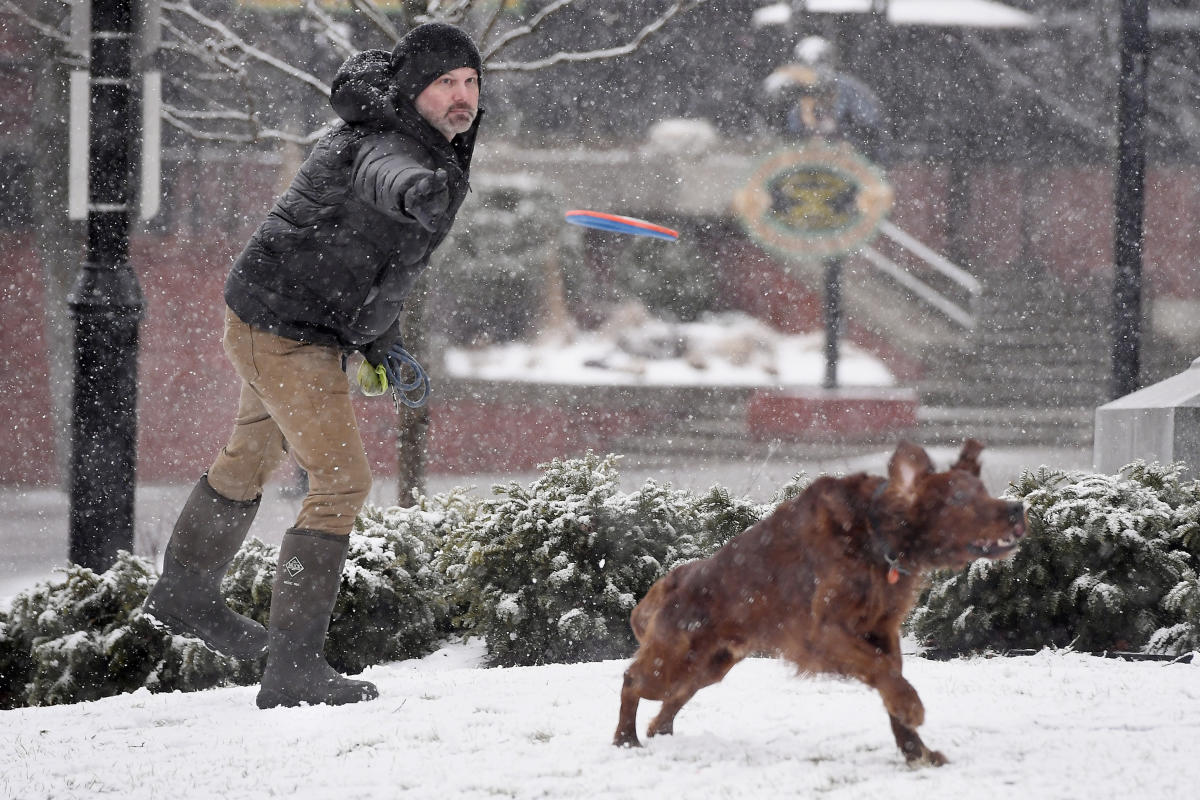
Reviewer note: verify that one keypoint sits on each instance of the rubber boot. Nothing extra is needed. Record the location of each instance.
(302, 600)
(187, 597)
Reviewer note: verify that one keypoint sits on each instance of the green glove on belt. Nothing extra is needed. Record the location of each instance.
(372, 380)
(375, 379)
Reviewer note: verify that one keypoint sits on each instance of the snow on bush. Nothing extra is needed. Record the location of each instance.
(84, 637)
(393, 604)
(1110, 563)
(549, 573)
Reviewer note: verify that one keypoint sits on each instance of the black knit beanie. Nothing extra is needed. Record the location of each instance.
(429, 51)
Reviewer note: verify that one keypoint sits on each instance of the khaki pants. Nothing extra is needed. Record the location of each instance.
(295, 397)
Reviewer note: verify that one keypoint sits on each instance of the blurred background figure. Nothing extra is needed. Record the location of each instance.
(810, 97)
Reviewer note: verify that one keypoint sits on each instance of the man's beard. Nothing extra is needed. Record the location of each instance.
(467, 111)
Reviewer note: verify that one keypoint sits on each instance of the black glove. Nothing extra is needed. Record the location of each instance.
(375, 352)
(427, 199)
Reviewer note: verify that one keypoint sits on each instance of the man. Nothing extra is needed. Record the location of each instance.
(325, 274)
(810, 98)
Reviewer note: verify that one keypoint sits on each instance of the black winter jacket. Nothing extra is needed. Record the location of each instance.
(336, 256)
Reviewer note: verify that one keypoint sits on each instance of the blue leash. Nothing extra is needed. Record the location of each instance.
(400, 389)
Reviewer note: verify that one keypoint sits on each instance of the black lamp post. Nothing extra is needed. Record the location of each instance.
(1129, 197)
(106, 304)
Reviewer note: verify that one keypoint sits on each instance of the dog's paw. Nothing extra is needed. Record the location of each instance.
(926, 758)
(661, 727)
(626, 739)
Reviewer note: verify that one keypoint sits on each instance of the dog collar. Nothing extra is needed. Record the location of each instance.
(895, 570)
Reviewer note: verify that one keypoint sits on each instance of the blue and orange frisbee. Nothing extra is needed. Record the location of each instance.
(619, 224)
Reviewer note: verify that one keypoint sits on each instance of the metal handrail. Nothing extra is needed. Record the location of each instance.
(931, 257)
(955, 312)
(932, 297)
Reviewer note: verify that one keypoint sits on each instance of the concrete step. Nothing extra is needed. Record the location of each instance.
(1006, 436)
(1041, 375)
(939, 424)
(994, 394)
(992, 426)
(1022, 344)
(983, 414)
(1009, 425)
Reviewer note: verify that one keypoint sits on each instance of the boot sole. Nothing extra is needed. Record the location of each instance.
(273, 698)
(173, 626)
(268, 699)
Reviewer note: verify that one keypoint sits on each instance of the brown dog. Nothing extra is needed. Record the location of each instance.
(825, 581)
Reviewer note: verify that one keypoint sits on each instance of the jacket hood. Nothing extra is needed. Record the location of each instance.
(362, 93)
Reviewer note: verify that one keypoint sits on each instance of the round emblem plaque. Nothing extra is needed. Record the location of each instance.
(820, 201)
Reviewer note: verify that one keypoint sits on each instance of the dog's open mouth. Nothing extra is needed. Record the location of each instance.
(981, 548)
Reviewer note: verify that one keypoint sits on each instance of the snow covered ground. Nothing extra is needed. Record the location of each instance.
(1052, 725)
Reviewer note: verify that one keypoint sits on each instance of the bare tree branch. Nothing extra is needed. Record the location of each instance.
(525, 30)
(594, 55)
(182, 42)
(330, 28)
(231, 41)
(377, 18)
(493, 18)
(180, 118)
(46, 29)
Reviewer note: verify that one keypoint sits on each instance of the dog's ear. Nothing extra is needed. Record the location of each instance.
(968, 459)
(909, 464)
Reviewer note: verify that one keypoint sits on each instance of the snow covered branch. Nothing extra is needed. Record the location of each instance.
(183, 119)
(46, 29)
(563, 56)
(226, 41)
(492, 19)
(525, 30)
(332, 30)
(453, 12)
(375, 14)
(218, 83)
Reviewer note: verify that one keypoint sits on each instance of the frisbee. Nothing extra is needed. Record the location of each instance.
(618, 224)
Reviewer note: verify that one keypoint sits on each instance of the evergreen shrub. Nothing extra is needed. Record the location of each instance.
(83, 637)
(393, 601)
(1110, 563)
(391, 604)
(549, 573)
(544, 573)
(678, 280)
